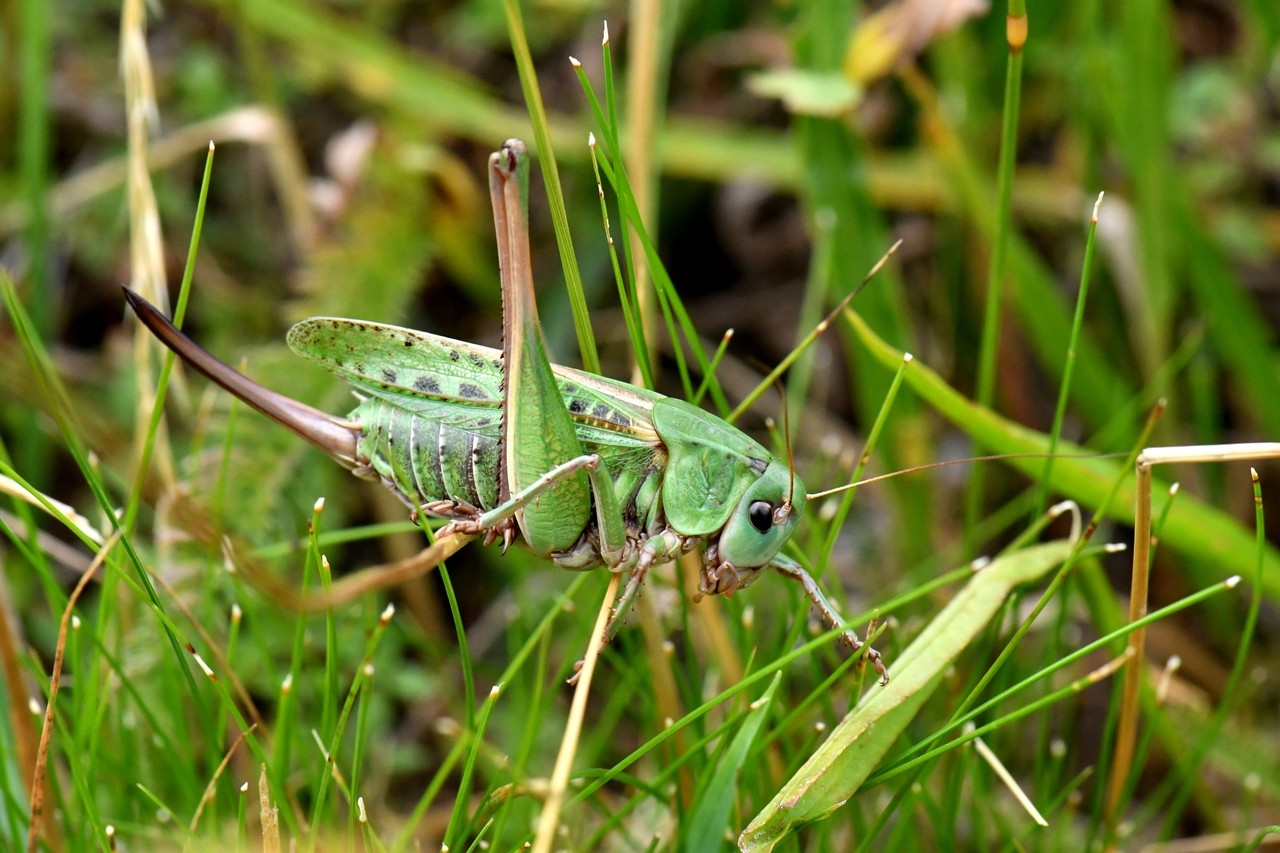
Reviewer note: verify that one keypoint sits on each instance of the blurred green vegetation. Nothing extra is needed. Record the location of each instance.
(787, 146)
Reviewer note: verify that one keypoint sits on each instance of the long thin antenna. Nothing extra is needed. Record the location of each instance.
(999, 457)
(791, 459)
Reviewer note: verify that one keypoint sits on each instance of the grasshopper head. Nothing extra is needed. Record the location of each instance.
(763, 520)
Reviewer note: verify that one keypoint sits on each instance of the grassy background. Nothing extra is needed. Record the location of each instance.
(349, 180)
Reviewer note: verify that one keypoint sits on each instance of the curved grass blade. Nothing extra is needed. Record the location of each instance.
(711, 813)
(836, 770)
(1196, 528)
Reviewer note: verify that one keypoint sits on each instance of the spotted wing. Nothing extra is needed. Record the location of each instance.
(460, 383)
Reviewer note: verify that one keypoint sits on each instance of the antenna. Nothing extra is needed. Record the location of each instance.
(999, 457)
(781, 513)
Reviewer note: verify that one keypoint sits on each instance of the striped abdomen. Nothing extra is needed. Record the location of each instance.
(425, 460)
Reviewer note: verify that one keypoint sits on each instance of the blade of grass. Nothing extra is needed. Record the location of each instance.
(648, 55)
(549, 817)
(1141, 132)
(920, 749)
(1064, 387)
(1101, 390)
(873, 437)
(1235, 324)
(1191, 774)
(832, 773)
(33, 155)
(551, 179)
(39, 782)
(34, 50)
(989, 348)
(364, 674)
(59, 405)
(710, 814)
(155, 401)
(669, 303)
(1196, 529)
(635, 332)
(671, 729)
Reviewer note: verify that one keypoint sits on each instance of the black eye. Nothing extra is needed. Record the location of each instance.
(761, 515)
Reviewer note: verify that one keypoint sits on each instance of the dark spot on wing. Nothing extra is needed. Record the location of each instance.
(408, 342)
(453, 355)
(388, 376)
(476, 359)
(577, 407)
(470, 392)
(601, 411)
(427, 384)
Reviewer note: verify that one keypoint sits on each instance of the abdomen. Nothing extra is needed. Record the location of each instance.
(426, 460)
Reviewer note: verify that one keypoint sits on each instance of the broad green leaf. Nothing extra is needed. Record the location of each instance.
(844, 761)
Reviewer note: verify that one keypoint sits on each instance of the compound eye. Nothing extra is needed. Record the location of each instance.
(761, 515)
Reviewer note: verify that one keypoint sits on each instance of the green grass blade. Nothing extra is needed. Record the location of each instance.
(626, 293)
(710, 814)
(166, 369)
(873, 437)
(837, 768)
(1230, 692)
(993, 309)
(361, 682)
(1111, 640)
(458, 819)
(1064, 387)
(551, 179)
(61, 408)
(34, 149)
(1196, 529)
(1234, 322)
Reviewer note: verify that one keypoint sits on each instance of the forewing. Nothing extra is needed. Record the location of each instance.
(439, 378)
(460, 383)
(606, 411)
